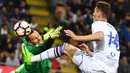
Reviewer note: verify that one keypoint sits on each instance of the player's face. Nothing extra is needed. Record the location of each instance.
(96, 14)
(35, 38)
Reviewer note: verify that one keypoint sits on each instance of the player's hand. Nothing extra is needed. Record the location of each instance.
(70, 34)
(64, 62)
(84, 47)
(56, 32)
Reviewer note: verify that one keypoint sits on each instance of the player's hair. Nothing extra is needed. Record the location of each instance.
(104, 7)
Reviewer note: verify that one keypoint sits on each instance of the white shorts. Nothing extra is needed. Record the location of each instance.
(86, 63)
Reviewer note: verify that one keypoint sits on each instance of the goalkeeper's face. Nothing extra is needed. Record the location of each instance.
(35, 38)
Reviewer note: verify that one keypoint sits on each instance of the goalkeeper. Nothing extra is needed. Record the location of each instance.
(34, 43)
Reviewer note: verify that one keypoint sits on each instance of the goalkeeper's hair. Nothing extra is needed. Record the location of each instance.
(104, 7)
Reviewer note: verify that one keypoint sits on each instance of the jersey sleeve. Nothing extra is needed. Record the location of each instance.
(36, 49)
(98, 27)
(43, 46)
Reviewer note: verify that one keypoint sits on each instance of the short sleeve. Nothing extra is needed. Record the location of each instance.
(98, 27)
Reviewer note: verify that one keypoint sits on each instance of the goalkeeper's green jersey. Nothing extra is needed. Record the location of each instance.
(38, 67)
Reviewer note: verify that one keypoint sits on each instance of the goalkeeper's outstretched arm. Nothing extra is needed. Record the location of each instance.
(49, 41)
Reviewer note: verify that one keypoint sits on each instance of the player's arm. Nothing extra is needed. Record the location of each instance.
(21, 69)
(48, 43)
(43, 46)
(36, 49)
(94, 36)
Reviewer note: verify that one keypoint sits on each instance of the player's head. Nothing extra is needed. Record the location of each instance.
(101, 11)
(34, 38)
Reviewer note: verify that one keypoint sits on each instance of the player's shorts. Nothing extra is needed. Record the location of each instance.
(86, 63)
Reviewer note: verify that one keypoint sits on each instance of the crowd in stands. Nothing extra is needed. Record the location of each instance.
(11, 11)
(75, 15)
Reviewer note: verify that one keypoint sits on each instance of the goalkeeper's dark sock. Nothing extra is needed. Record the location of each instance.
(50, 53)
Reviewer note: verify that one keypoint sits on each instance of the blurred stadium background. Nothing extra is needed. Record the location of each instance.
(44, 15)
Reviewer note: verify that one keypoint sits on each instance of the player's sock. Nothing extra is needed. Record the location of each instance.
(50, 53)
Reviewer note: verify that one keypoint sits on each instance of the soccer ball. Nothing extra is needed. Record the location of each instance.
(22, 28)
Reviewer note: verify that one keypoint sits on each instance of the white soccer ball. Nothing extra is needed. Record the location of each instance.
(22, 28)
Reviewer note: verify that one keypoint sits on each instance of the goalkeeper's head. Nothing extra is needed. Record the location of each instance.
(34, 38)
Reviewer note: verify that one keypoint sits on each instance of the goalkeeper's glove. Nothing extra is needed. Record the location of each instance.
(53, 34)
(56, 32)
(47, 35)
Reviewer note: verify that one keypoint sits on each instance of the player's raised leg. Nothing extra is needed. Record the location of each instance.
(64, 49)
